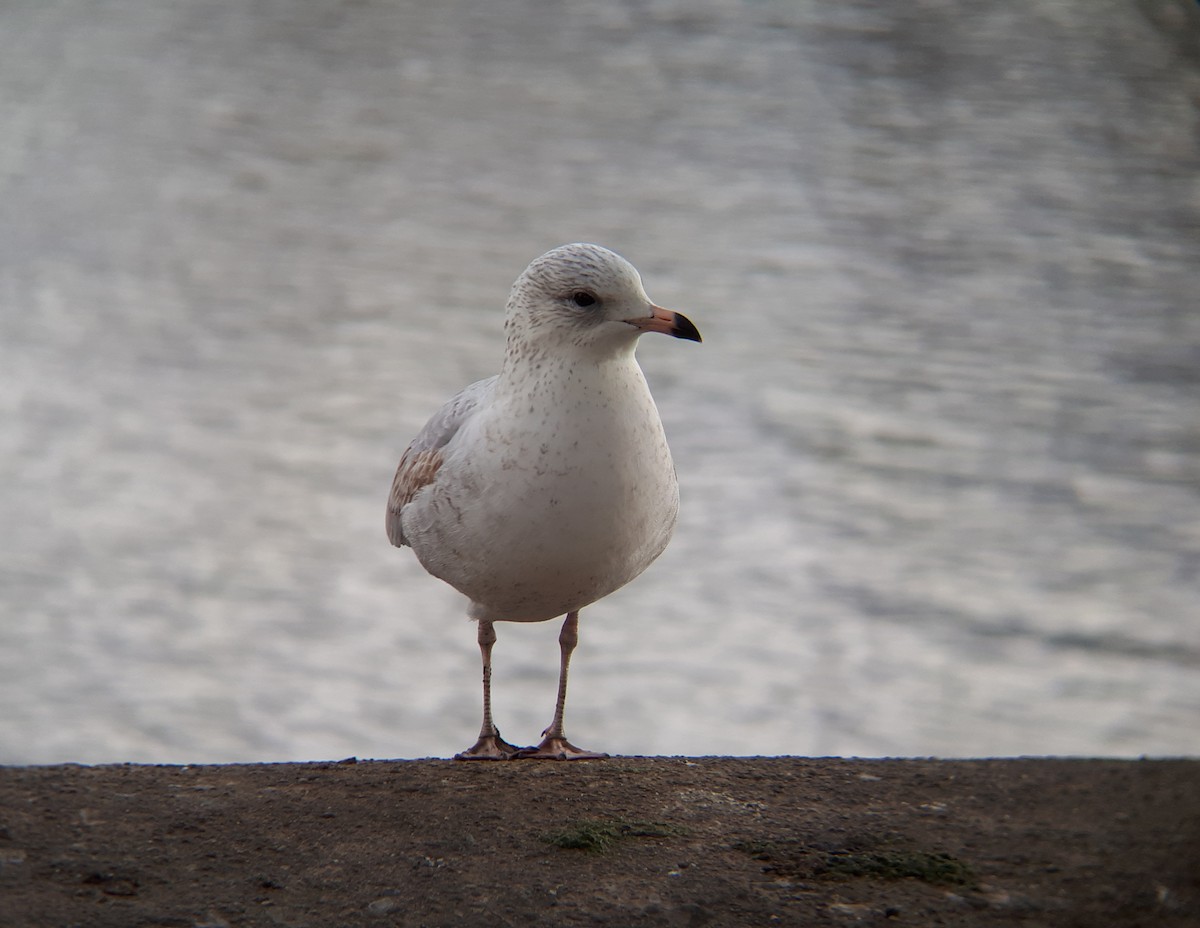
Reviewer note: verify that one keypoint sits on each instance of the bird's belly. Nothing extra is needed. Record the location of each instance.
(537, 528)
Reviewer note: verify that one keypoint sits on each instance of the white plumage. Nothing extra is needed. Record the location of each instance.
(546, 487)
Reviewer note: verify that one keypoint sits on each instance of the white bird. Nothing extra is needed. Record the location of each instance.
(550, 485)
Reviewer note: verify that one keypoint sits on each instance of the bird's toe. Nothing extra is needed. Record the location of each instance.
(490, 747)
(553, 748)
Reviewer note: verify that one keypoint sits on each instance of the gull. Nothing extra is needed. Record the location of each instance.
(540, 490)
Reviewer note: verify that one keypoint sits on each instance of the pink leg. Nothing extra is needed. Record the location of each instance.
(555, 745)
(490, 745)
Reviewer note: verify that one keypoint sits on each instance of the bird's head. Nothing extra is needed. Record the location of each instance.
(589, 297)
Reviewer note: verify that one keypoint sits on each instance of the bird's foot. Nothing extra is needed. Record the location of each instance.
(556, 748)
(490, 747)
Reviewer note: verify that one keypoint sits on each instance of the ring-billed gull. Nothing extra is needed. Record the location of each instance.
(550, 485)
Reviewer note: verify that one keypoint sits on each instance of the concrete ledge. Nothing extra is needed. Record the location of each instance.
(624, 841)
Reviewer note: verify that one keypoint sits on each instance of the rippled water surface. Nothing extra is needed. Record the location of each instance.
(939, 453)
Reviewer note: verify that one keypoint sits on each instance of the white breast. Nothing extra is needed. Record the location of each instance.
(559, 492)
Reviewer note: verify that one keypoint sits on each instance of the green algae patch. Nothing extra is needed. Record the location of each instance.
(937, 868)
(869, 858)
(597, 836)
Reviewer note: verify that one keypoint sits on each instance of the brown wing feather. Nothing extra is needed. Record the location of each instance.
(420, 463)
(417, 469)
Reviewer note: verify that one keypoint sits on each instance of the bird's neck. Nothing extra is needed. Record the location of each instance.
(549, 361)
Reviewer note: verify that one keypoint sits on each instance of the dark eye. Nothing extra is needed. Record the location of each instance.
(583, 299)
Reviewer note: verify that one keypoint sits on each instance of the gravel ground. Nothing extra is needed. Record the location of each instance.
(631, 840)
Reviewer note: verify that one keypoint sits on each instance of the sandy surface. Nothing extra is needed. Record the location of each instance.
(634, 840)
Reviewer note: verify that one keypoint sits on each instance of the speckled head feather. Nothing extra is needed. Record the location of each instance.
(570, 291)
(579, 265)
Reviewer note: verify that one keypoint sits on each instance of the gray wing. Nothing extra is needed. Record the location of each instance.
(420, 462)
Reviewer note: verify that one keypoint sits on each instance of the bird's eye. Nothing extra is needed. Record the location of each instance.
(583, 299)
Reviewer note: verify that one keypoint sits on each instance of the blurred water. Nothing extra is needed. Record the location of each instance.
(939, 453)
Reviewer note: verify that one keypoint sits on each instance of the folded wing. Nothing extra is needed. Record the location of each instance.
(420, 462)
